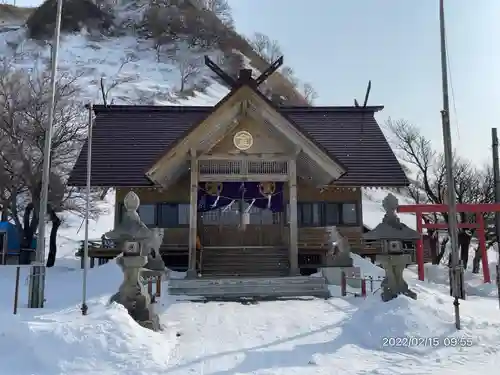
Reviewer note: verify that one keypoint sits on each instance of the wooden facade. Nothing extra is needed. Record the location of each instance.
(312, 156)
(266, 229)
(278, 153)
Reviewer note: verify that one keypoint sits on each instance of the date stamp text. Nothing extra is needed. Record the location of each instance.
(433, 342)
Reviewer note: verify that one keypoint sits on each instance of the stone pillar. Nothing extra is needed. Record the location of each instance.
(132, 294)
(293, 241)
(131, 234)
(394, 283)
(193, 214)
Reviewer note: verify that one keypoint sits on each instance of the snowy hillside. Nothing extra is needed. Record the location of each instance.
(128, 65)
(126, 59)
(133, 68)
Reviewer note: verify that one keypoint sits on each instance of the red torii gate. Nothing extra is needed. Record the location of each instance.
(478, 209)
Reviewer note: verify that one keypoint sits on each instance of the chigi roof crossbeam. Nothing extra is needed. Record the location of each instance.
(245, 75)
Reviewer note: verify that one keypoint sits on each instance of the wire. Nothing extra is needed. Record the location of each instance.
(451, 87)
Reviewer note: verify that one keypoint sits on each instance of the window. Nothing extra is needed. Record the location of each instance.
(147, 213)
(210, 217)
(332, 216)
(183, 214)
(168, 215)
(349, 214)
(320, 214)
(309, 214)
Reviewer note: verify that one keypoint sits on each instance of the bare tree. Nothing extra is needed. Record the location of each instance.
(220, 8)
(170, 21)
(289, 74)
(472, 185)
(266, 47)
(24, 98)
(108, 84)
(189, 65)
(310, 95)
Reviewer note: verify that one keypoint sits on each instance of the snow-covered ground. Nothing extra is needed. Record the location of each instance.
(335, 336)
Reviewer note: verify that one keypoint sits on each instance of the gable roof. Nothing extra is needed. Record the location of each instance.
(128, 140)
(246, 93)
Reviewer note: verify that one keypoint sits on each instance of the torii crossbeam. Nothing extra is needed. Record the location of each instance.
(479, 225)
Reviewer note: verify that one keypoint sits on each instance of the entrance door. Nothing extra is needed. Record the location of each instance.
(223, 226)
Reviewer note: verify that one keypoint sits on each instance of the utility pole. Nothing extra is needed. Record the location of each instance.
(85, 307)
(456, 271)
(496, 175)
(37, 276)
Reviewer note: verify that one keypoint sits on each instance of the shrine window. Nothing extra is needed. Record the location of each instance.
(148, 214)
(323, 214)
(332, 214)
(349, 214)
(309, 214)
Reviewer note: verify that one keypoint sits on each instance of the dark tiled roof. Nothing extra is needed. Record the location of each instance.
(128, 140)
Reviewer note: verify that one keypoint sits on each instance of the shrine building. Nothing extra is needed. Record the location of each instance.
(245, 187)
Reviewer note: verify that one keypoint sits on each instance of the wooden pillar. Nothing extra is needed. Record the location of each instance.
(293, 245)
(193, 215)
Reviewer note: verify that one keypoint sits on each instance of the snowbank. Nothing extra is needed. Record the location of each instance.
(339, 335)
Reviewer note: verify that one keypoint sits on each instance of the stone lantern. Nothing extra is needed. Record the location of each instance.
(398, 247)
(131, 235)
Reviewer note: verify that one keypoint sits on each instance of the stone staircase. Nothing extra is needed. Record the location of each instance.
(255, 287)
(222, 262)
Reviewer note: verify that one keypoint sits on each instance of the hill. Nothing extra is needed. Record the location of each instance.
(147, 52)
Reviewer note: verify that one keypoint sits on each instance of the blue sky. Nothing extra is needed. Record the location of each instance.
(338, 45)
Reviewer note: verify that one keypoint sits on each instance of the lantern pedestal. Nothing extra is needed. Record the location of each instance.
(398, 245)
(135, 240)
(393, 283)
(132, 294)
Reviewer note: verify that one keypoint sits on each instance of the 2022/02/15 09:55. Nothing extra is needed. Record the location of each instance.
(436, 341)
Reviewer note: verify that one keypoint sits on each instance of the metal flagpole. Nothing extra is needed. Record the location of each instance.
(456, 272)
(87, 209)
(496, 175)
(37, 277)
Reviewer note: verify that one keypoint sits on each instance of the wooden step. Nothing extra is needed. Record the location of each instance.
(245, 250)
(231, 261)
(297, 286)
(247, 259)
(249, 271)
(254, 292)
(260, 274)
(250, 257)
(238, 262)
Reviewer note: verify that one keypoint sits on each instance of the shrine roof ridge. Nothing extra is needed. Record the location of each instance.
(202, 109)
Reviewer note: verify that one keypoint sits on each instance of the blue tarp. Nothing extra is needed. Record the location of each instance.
(13, 241)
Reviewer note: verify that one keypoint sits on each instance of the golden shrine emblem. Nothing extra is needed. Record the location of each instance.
(267, 188)
(213, 188)
(243, 140)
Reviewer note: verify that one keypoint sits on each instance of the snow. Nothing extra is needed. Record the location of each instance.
(129, 60)
(342, 335)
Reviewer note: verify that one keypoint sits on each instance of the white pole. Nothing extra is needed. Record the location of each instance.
(37, 278)
(456, 272)
(496, 177)
(87, 209)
